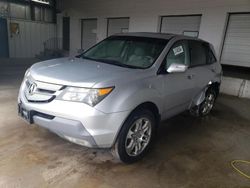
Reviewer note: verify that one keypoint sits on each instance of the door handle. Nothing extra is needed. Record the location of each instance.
(213, 70)
(190, 76)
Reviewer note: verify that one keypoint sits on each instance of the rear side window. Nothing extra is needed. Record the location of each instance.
(198, 55)
(209, 54)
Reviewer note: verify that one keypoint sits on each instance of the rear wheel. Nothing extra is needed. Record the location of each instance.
(135, 137)
(207, 105)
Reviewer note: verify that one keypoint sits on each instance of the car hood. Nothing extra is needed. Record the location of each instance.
(77, 72)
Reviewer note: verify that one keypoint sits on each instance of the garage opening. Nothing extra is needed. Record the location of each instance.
(188, 25)
(117, 25)
(235, 55)
(66, 33)
(4, 47)
(88, 33)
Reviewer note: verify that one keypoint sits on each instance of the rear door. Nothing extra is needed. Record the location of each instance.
(201, 64)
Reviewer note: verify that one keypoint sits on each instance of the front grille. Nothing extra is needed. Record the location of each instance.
(36, 91)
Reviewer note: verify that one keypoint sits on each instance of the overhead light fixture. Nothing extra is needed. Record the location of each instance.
(41, 1)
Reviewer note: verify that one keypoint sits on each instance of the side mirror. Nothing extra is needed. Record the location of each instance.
(176, 67)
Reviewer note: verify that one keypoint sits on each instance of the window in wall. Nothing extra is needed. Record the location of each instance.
(27, 12)
(38, 13)
(43, 14)
(3, 9)
(17, 11)
(48, 16)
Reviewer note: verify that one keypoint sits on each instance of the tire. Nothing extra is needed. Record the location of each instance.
(136, 136)
(207, 105)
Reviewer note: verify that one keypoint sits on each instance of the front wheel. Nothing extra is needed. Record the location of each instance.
(135, 137)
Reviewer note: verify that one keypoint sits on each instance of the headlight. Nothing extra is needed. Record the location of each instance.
(85, 95)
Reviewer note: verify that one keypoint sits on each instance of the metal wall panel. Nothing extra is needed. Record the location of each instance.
(181, 24)
(236, 48)
(29, 41)
(117, 25)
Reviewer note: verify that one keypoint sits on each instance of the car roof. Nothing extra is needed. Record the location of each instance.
(166, 36)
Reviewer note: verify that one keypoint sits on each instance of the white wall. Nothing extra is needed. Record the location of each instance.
(29, 42)
(145, 15)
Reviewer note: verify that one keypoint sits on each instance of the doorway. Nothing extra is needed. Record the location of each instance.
(4, 44)
(66, 33)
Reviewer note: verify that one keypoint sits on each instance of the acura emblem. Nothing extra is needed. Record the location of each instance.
(32, 88)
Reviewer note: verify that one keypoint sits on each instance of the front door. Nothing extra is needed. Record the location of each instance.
(179, 86)
(4, 46)
(200, 66)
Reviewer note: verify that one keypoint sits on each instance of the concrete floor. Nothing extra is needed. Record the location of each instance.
(189, 152)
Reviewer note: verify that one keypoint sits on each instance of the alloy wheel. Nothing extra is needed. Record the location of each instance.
(208, 104)
(138, 137)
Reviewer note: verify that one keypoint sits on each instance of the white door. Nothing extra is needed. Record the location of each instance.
(118, 25)
(236, 48)
(89, 27)
(187, 25)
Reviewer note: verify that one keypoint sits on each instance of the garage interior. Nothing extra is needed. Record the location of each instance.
(189, 151)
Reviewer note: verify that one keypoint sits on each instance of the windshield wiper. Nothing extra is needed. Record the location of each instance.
(84, 57)
(111, 62)
(115, 62)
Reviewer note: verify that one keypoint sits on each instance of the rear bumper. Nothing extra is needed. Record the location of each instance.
(77, 122)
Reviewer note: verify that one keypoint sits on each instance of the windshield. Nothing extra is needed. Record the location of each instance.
(126, 51)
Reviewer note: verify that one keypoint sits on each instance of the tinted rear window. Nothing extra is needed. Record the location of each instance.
(209, 54)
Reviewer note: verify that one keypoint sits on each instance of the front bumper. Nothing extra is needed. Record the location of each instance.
(76, 122)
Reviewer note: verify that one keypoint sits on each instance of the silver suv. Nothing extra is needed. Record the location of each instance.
(115, 94)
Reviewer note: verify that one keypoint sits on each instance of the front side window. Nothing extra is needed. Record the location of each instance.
(178, 54)
(133, 52)
(197, 53)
